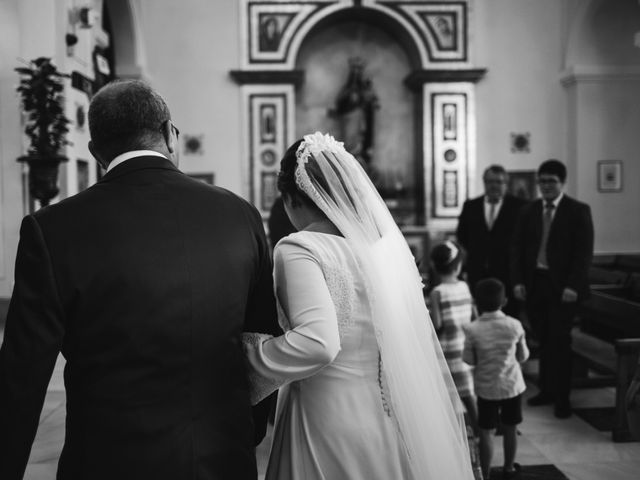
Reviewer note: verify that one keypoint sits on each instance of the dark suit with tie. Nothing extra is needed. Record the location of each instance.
(488, 249)
(569, 251)
(145, 282)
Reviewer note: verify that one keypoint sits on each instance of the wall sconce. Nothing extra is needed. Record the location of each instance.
(83, 17)
(70, 39)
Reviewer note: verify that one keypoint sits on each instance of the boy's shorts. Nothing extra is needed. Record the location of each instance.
(510, 411)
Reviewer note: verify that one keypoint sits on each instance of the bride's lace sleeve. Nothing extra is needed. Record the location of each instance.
(260, 387)
(312, 338)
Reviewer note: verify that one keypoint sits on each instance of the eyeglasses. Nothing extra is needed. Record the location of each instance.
(175, 129)
(548, 181)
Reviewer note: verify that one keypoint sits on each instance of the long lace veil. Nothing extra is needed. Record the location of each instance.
(424, 401)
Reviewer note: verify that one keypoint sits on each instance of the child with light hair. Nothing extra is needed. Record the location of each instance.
(495, 344)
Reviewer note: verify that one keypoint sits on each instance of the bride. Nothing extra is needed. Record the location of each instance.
(364, 389)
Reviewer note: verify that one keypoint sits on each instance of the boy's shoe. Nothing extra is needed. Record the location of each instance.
(511, 474)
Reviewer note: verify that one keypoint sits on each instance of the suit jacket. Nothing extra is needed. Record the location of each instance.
(145, 282)
(569, 246)
(488, 250)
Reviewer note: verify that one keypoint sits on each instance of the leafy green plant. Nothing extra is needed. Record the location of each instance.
(41, 93)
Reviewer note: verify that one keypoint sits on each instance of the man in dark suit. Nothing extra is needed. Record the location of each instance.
(145, 283)
(485, 230)
(553, 247)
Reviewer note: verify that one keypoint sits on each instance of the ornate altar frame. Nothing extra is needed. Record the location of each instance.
(436, 36)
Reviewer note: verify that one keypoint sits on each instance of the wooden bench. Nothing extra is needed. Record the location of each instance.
(608, 342)
(616, 363)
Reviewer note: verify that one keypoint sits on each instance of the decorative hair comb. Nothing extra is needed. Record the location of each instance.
(454, 251)
(316, 143)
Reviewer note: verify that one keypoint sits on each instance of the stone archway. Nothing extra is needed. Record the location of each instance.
(129, 55)
(435, 37)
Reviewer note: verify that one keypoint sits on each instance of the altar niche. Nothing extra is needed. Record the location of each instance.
(414, 132)
(354, 89)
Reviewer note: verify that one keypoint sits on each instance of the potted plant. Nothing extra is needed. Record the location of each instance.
(41, 94)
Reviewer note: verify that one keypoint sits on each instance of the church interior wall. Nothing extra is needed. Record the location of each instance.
(10, 144)
(187, 49)
(608, 116)
(189, 53)
(602, 74)
(519, 43)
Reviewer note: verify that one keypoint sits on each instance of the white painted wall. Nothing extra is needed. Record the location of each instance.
(10, 144)
(189, 54)
(187, 48)
(603, 77)
(520, 43)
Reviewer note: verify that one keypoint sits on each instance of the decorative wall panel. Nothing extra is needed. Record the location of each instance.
(449, 132)
(440, 29)
(443, 80)
(270, 113)
(273, 30)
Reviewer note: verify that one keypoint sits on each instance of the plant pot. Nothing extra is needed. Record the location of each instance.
(43, 176)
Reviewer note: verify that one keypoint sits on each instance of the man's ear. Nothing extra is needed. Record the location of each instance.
(103, 163)
(169, 138)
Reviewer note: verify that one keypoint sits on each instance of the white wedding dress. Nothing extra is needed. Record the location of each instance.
(366, 392)
(333, 419)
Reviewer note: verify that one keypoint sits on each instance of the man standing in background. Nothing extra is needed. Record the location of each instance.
(485, 230)
(553, 248)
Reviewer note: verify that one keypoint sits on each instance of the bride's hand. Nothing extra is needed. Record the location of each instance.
(253, 340)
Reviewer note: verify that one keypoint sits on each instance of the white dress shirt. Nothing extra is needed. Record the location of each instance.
(123, 157)
(555, 202)
(487, 211)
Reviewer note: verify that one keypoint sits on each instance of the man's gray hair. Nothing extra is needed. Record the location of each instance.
(126, 115)
(497, 169)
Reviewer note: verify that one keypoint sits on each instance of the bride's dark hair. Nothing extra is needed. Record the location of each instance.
(287, 177)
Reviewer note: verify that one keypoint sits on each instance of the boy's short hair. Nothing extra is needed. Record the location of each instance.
(446, 257)
(489, 295)
(553, 167)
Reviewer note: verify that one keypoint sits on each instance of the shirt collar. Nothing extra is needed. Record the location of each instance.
(492, 315)
(123, 157)
(556, 202)
(487, 202)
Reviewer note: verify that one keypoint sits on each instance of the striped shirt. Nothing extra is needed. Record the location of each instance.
(495, 344)
(455, 312)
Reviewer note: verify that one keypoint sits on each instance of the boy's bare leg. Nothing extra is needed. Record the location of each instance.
(486, 451)
(510, 445)
(471, 407)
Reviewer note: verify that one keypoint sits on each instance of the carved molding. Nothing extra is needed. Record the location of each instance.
(267, 77)
(272, 31)
(417, 78)
(440, 29)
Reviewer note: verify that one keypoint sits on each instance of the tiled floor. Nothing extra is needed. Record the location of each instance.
(577, 449)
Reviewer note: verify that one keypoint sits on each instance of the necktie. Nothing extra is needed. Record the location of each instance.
(546, 226)
(492, 215)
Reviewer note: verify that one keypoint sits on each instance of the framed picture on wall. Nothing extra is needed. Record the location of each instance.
(610, 175)
(418, 241)
(522, 184)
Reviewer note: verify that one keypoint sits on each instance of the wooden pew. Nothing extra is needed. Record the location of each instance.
(608, 342)
(616, 363)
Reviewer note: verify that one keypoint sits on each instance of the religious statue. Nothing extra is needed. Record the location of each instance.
(355, 108)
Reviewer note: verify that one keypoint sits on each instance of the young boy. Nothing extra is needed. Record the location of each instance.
(495, 344)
